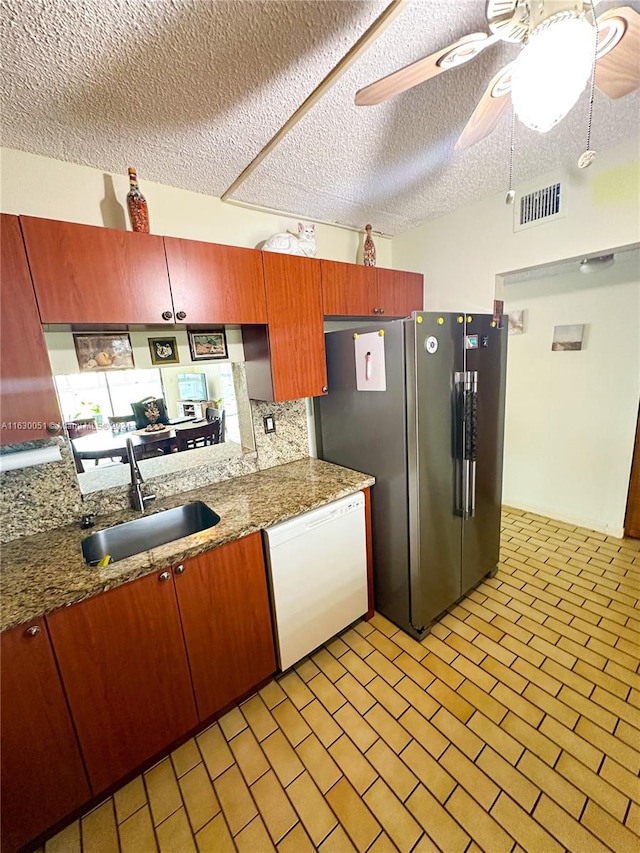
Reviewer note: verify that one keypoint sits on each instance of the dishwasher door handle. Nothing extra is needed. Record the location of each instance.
(312, 525)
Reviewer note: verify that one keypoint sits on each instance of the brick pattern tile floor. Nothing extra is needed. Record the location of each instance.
(514, 725)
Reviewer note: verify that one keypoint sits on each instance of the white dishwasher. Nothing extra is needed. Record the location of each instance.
(318, 575)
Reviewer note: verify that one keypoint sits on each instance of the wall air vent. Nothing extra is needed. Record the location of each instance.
(541, 205)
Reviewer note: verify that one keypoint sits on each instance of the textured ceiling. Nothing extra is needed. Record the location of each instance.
(190, 91)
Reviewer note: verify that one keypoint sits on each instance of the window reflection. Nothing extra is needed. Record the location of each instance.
(103, 395)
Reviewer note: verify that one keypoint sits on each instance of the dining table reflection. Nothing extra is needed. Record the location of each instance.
(112, 445)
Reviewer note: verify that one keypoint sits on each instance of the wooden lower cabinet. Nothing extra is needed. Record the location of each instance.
(43, 778)
(224, 605)
(129, 661)
(124, 667)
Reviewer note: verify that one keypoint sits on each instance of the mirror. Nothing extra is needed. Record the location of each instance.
(208, 394)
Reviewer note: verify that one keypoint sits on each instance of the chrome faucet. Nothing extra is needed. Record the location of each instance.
(138, 500)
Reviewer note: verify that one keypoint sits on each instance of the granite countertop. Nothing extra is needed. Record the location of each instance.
(43, 572)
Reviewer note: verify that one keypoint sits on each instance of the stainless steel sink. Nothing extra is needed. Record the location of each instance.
(150, 531)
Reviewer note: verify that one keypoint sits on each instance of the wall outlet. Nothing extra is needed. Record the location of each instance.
(269, 423)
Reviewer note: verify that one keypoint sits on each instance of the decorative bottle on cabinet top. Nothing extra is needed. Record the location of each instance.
(137, 205)
(369, 249)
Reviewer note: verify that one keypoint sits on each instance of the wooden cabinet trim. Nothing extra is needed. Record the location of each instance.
(370, 588)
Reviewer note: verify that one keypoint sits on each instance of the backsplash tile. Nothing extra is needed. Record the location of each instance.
(44, 497)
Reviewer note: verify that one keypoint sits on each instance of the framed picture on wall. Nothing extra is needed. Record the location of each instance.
(208, 345)
(104, 351)
(164, 351)
(516, 322)
(567, 338)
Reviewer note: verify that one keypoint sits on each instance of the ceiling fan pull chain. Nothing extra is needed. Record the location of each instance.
(511, 194)
(587, 158)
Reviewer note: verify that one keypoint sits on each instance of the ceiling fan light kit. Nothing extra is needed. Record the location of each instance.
(552, 70)
(561, 41)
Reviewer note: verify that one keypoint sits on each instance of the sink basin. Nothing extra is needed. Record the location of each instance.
(149, 531)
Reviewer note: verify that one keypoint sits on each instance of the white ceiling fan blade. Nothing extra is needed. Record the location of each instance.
(461, 51)
(495, 100)
(618, 68)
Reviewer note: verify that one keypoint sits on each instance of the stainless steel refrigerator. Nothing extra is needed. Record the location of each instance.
(433, 439)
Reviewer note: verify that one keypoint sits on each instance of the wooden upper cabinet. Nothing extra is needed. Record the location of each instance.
(43, 778)
(224, 606)
(286, 360)
(124, 667)
(349, 289)
(211, 283)
(28, 400)
(400, 293)
(87, 274)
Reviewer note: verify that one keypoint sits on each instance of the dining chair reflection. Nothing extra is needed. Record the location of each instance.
(200, 436)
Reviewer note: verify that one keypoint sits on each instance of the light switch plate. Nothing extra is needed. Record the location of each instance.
(269, 423)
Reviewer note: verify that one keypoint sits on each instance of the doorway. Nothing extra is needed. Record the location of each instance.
(571, 410)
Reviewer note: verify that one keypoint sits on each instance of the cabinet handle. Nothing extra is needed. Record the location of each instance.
(376, 310)
(181, 315)
(324, 389)
(167, 315)
(33, 631)
(165, 576)
(381, 310)
(179, 570)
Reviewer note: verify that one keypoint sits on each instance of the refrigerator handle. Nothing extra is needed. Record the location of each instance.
(469, 442)
(460, 463)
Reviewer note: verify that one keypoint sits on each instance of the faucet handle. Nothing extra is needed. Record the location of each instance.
(146, 499)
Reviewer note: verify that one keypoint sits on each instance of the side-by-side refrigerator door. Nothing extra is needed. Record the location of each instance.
(434, 356)
(485, 369)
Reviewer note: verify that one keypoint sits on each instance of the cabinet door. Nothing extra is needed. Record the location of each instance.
(43, 778)
(296, 326)
(85, 274)
(28, 399)
(124, 667)
(349, 289)
(224, 605)
(399, 292)
(215, 284)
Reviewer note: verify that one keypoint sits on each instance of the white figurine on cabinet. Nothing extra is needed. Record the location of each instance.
(303, 243)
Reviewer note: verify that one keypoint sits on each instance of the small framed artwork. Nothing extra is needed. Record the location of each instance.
(164, 351)
(105, 351)
(566, 338)
(208, 345)
(516, 322)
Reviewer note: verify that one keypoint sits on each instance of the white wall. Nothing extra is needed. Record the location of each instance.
(39, 186)
(461, 254)
(571, 416)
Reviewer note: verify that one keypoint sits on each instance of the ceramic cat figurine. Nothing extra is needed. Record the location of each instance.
(303, 243)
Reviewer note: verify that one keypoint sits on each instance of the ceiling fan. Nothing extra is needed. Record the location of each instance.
(546, 79)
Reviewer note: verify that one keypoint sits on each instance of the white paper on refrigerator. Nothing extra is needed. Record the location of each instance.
(371, 373)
